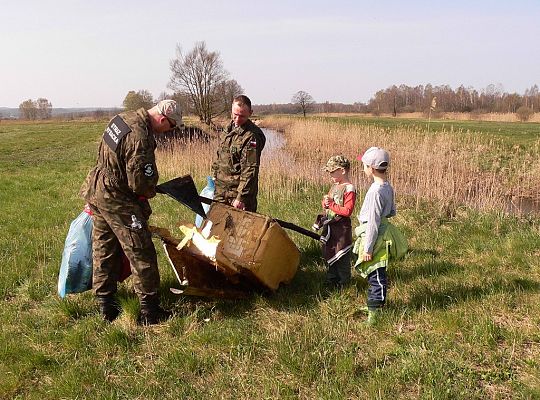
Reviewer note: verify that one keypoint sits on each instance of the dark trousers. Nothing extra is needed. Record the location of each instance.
(378, 284)
(339, 273)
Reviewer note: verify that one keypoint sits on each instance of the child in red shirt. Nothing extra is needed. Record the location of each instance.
(335, 222)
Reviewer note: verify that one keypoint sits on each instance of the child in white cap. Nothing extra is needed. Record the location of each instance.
(335, 222)
(377, 239)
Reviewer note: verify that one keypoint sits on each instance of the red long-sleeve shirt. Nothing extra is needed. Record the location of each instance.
(349, 199)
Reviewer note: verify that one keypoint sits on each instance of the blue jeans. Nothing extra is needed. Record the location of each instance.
(378, 284)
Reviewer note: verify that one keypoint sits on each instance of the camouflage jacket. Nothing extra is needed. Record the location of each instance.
(126, 166)
(236, 169)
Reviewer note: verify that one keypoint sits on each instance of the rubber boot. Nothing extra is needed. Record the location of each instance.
(108, 307)
(151, 312)
(374, 316)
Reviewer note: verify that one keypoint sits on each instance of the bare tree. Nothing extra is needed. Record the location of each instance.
(135, 100)
(225, 93)
(199, 74)
(303, 100)
(163, 96)
(44, 108)
(184, 101)
(28, 109)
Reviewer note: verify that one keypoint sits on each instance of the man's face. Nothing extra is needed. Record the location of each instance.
(164, 124)
(240, 114)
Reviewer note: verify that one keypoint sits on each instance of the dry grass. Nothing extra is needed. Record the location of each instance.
(453, 169)
(193, 157)
(454, 116)
(442, 166)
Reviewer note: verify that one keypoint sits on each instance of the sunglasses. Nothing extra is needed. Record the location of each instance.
(172, 122)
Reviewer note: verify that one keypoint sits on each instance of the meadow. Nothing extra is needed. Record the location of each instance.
(462, 319)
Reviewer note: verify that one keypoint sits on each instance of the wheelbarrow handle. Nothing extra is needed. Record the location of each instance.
(283, 224)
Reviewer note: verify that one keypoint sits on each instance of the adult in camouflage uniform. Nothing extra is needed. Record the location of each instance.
(117, 190)
(236, 169)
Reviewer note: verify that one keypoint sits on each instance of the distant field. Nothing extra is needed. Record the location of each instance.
(462, 320)
(450, 116)
(514, 132)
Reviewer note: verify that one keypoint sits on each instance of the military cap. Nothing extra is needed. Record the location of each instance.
(170, 109)
(336, 162)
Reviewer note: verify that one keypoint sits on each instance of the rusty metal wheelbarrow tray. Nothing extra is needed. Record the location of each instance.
(253, 254)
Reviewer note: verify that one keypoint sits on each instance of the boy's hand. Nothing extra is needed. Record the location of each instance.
(326, 201)
(366, 256)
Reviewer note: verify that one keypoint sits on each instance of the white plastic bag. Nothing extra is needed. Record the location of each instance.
(76, 269)
(207, 192)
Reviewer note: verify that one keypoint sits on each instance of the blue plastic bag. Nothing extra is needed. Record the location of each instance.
(76, 269)
(207, 192)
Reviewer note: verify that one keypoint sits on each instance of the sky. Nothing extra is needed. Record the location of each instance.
(92, 53)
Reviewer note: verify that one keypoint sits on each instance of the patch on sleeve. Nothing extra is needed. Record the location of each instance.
(148, 170)
(253, 143)
(115, 131)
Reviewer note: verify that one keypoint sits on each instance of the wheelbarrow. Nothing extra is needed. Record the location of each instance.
(249, 252)
(183, 189)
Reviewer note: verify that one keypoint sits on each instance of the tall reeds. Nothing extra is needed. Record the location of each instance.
(447, 167)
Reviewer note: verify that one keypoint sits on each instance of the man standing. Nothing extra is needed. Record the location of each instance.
(117, 190)
(236, 170)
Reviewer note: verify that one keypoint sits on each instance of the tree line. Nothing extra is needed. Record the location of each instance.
(202, 86)
(492, 99)
(38, 109)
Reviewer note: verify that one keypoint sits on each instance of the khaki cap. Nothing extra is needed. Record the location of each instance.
(170, 109)
(336, 162)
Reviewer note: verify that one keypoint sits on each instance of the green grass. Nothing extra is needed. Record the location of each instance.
(515, 133)
(462, 320)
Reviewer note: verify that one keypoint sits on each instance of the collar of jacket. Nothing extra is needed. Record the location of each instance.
(143, 114)
(240, 129)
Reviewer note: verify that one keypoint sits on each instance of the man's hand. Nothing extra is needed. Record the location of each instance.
(366, 256)
(238, 204)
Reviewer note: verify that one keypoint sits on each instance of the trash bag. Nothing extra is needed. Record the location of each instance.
(207, 192)
(76, 268)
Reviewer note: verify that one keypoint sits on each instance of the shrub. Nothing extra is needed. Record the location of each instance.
(524, 113)
(407, 109)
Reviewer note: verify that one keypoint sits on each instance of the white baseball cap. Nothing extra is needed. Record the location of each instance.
(375, 157)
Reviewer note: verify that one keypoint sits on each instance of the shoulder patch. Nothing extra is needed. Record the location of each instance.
(115, 131)
(148, 170)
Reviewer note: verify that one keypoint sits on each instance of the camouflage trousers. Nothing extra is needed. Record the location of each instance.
(228, 196)
(127, 230)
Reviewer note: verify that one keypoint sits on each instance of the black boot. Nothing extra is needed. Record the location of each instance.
(151, 312)
(108, 307)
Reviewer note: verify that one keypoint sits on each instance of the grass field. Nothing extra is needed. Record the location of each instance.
(462, 320)
(515, 133)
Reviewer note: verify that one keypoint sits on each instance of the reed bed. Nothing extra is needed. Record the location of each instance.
(182, 157)
(454, 116)
(450, 168)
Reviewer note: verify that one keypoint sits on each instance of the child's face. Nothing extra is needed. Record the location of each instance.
(338, 175)
(368, 171)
